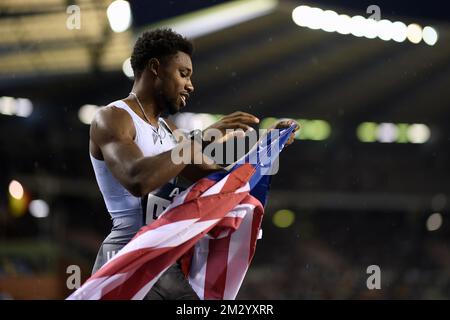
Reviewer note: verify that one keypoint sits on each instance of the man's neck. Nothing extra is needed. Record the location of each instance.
(148, 102)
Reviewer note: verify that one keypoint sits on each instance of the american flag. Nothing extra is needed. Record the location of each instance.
(212, 228)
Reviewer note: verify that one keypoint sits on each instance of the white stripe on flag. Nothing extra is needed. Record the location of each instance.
(244, 188)
(238, 256)
(156, 238)
(215, 188)
(240, 210)
(145, 289)
(197, 274)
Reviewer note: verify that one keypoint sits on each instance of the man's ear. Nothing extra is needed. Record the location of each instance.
(153, 66)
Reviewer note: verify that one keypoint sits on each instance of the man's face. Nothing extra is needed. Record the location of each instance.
(174, 82)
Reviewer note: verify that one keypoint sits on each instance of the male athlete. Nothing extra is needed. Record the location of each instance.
(130, 148)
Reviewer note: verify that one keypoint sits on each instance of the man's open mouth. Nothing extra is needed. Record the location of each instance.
(184, 97)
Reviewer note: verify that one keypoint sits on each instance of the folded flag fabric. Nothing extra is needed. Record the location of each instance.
(212, 228)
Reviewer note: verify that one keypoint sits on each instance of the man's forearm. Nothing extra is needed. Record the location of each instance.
(149, 173)
(195, 172)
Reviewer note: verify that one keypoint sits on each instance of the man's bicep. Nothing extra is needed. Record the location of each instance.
(120, 153)
(113, 132)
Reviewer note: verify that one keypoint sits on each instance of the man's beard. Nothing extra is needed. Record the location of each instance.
(170, 108)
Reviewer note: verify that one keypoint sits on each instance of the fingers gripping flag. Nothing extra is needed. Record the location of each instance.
(212, 228)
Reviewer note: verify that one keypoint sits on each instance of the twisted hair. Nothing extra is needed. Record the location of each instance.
(158, 43)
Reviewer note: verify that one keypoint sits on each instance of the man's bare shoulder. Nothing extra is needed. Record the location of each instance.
(111, 114)
(112, 121)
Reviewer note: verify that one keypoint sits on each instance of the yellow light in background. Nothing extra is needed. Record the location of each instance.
(313, 130)
(299, 133)
(322, 129)
(266, 123)
(319, 130)
(217, 116)
(7, 106)
(16, 190)
(283, 218)
(367, 132)
(414, 33)
(17, 199)
(18, 207)
(418, 133)
(316, 130)
(219, 17)
(390, 132)
(402, 133)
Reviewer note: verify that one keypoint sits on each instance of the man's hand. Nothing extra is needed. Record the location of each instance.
(238, 121)
(286, 123)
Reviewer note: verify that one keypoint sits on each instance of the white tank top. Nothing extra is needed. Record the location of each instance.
(119, 201)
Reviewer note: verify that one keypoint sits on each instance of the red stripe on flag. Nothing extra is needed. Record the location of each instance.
(240, 177)
(197, 190)
(256, 226)
(216, 271)
(148, 271)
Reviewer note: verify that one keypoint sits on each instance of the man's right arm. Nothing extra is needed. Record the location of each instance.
(113, 131)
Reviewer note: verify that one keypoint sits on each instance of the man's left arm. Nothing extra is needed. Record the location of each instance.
(192, 172)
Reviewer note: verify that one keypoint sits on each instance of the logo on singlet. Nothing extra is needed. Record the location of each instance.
(158, 202)
(155, 138)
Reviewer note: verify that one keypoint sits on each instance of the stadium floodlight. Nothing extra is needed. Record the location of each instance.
(429, 36)
(87, 112)
(39, 208)
(399, 31)
(16, 190)
(367, 132)
(20, 107)
(434, 222)
(387, 132)
(418, 133)
(119, 15)
(359, 26)
(414, 33)
(127, 69)
(218, 17)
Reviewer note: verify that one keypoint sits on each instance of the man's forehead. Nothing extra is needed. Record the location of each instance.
(181, 59)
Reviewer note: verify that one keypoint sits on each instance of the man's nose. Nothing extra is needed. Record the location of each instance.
(189, 87)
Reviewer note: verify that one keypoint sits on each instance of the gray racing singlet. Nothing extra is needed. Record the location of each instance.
(130, 213)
